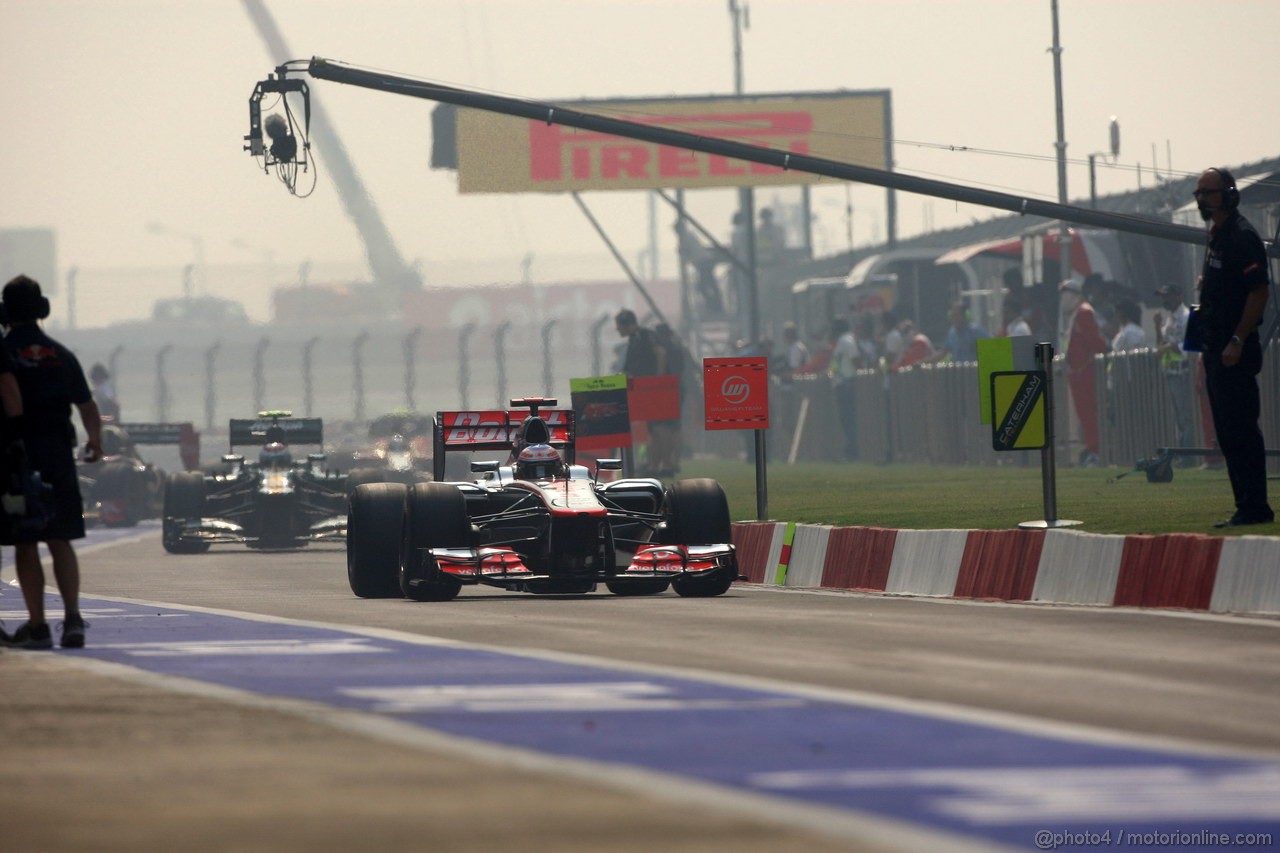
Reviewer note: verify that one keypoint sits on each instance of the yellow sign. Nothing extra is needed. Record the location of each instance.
(1017, 410)
(500, 153)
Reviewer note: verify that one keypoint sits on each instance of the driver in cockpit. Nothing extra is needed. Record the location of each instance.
(539, 462)
(275, 456)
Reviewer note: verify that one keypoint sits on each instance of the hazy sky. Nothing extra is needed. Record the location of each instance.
(120, 113)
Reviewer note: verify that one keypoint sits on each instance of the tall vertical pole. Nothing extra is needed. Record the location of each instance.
(210, 389)
(547, 373)
(464, 363)
(162, 385)
(1064, 231)
(500, 356)
(260, 374)
(746, 198)
(357, 371)
(308, 386)
(410, 347)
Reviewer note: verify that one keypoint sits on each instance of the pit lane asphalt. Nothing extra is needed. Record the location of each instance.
(112, 763)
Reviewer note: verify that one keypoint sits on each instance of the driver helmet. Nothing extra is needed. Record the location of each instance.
(275, 456)
(539, 462)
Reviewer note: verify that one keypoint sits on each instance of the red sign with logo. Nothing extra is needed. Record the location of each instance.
(736, 392)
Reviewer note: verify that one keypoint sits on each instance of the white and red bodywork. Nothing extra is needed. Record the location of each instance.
(571, 526)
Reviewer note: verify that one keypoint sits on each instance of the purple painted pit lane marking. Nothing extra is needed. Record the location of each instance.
(965, 778)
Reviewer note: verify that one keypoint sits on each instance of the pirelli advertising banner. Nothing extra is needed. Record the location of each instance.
(504, 154)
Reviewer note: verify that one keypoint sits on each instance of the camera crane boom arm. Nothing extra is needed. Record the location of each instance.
(325, 69)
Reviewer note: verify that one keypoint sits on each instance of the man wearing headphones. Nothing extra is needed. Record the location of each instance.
(51, 382)
(1233, 294)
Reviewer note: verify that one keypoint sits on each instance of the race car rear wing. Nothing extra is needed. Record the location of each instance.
(498, 429)
(182, 434)
(254, 431)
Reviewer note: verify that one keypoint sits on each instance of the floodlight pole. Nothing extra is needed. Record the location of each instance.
(357, 370)
(259, 374)
(500, 355)
(410, 347)
(162, 386)
(307, 385)
(464, 363)
(210, 392)
(546, 356)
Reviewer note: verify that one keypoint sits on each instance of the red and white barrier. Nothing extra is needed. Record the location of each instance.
(1180, 570)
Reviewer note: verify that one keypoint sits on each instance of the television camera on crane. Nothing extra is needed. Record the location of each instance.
(284, 131)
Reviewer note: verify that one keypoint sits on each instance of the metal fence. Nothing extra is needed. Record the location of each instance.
(925, 414)
(930, 414)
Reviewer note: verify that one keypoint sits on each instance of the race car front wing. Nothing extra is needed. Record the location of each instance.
(650, 562)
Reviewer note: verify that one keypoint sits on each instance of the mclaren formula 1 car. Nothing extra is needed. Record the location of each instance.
(537, 522)
(275, 502)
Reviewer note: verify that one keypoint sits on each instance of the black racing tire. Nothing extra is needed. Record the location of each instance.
(184, 495)
(697, 513)
(375, 518)
(364, 476)
(119, 481)
(184, 498)
(638, 587)
(435, 517)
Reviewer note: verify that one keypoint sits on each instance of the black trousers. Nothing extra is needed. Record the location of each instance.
(1237, 405)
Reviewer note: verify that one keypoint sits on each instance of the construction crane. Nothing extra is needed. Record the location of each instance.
(391, 275)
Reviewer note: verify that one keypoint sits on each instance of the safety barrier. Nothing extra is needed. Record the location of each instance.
(929, 414)
(925, 414)
(1183, 570)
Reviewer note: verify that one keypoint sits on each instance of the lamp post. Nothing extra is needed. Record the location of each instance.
(162, 386)
(464, 363)
(546, 356)
(357, 369)
(307, 390)
(260, 373)
(210, 391)
(410, 358)
(500, 354)
(197, 246)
